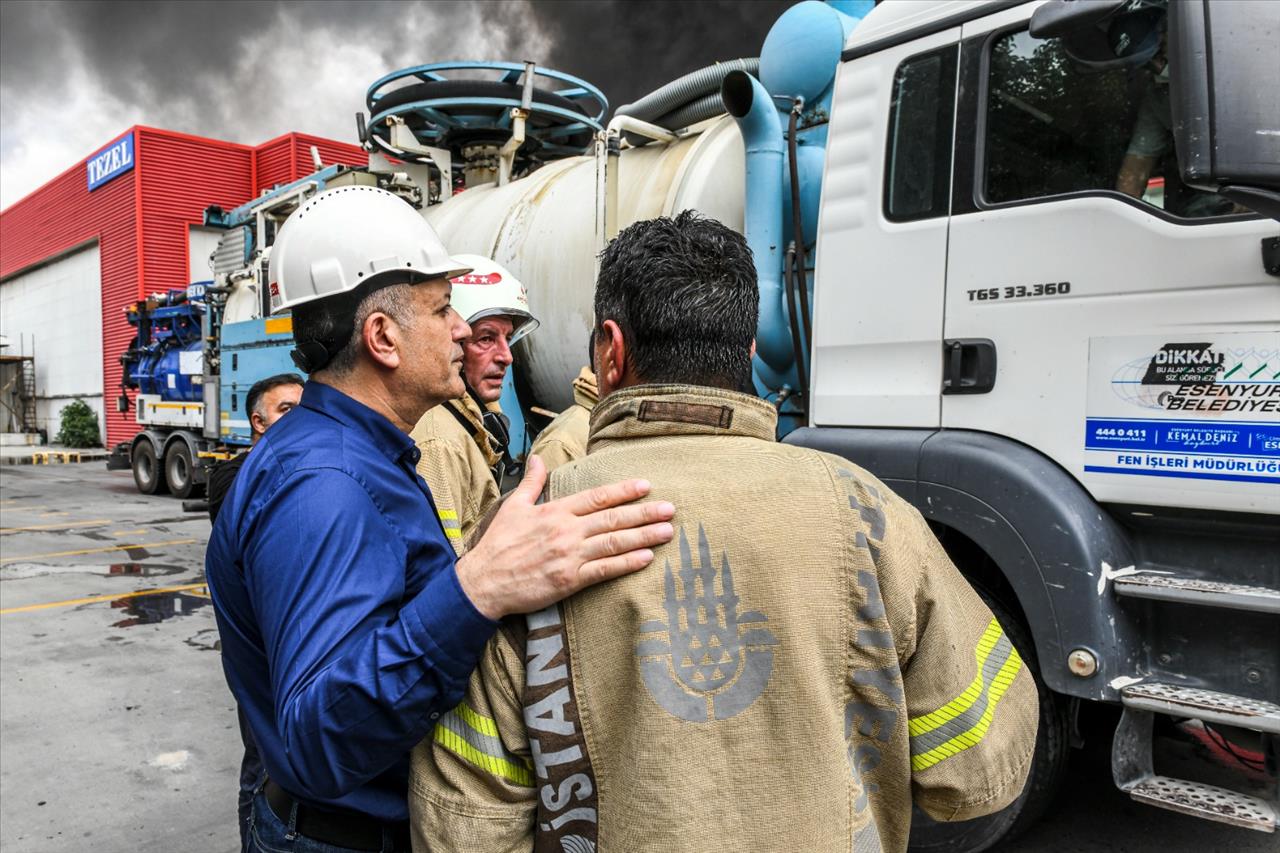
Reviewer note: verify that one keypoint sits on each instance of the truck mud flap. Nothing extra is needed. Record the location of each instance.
(119, 458)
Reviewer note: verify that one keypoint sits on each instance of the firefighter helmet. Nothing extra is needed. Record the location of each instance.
(490, 290)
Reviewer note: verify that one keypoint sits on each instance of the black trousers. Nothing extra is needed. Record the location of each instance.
(251, 773)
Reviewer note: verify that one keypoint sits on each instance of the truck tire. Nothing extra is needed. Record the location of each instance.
(1047, 769)
(179, 469)
(147, 472)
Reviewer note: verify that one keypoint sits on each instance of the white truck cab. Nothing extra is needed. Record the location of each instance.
(1132, 341)
(1030, 325)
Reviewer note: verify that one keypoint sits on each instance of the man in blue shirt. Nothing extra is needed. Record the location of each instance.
(347, 627)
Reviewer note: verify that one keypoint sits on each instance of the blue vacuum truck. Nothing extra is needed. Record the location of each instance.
(164, 364)
(178, 333)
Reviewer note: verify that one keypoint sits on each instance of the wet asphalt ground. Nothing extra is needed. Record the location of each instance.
(118, 733)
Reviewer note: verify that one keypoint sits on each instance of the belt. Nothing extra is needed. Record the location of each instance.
(339, 829)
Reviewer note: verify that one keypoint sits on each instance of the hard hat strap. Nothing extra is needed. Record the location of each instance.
(313, 355)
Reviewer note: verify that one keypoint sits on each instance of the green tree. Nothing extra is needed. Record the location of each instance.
(79, 426)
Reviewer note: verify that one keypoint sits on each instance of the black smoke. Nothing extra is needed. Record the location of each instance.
(154, 53)
(631, 47)
(73, 75)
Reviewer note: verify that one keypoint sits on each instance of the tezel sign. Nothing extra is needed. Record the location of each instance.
(110, 162)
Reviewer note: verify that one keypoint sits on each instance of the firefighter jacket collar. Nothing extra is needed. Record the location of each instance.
(586, 393)
(660, 410)
(466, 408)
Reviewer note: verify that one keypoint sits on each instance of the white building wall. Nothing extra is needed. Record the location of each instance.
(54, 312)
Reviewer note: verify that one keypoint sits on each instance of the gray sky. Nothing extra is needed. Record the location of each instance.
(73, 75)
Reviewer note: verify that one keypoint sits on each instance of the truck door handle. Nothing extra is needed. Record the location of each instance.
(968, 365)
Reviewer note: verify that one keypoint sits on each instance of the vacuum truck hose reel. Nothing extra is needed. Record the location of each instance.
(445, 106)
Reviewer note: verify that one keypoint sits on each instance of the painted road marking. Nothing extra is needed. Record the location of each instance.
(115, 596)
(28, 557)
(128, 532)
(58, 525)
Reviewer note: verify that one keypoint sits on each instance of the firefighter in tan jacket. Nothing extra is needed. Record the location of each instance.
(565, 438)
(795, 669)
(464, 440)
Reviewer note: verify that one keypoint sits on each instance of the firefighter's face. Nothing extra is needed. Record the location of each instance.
(486, 355)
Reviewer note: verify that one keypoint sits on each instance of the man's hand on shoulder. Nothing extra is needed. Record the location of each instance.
(535, 554)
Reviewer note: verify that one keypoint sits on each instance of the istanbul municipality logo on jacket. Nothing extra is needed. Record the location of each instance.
(714, 661)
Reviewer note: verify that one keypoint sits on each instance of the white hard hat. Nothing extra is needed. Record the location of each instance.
(343, 237)
(489, 289)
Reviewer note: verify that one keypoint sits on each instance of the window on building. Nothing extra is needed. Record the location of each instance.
(1054, 126)
(918, 159)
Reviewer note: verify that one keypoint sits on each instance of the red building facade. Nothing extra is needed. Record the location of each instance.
(141, 217)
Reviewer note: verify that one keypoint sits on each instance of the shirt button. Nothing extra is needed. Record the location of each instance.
(435, 715)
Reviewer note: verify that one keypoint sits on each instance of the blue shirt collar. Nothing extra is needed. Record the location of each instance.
(332, 403)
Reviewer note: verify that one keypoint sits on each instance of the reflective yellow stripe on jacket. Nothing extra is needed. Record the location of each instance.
(452, 527)
(963, 722)
(474, 738)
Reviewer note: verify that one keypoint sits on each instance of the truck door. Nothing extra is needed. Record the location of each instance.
(1136, 331)
(882, 243)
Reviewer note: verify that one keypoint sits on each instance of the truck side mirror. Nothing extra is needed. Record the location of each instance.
(1060, 18)
(1224, 98)
(1100, 34)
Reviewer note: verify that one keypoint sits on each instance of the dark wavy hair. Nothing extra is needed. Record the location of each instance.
(683, 290)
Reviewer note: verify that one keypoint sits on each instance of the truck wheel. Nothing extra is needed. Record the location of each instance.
(178, 469)
(1047, 770)
(147, 474)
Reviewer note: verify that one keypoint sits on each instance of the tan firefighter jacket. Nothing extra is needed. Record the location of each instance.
(457, 464)
(796, 667)
(565, 438)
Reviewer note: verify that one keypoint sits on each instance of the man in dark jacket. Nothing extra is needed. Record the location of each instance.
(268, 400)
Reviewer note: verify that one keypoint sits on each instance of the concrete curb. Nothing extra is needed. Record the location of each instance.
(50, 457)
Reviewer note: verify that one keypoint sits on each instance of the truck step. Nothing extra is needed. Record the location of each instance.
(1184, 590)
(1207, 705)
(1206, 801)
